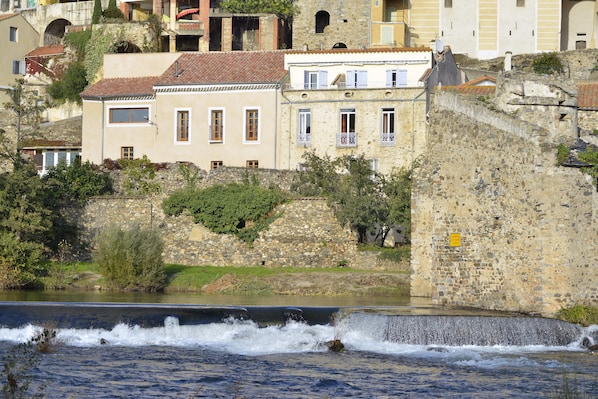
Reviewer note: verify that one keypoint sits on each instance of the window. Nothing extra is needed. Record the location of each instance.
(304, 133)
(216, 126)
(322, 21)
(252, 164)
(357, 79)
(126, 152)
(396, 78)
(347, 136)
(251, 125)
(182, 126)
(18, 67)
(520, 3)
(448, 3)
(315, 79)
(13, 34)
(387, 135)
(215, 164)
(129, 115)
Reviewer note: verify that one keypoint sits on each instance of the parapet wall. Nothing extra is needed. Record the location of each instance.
(496, 224)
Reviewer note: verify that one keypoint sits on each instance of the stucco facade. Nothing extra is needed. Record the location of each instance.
(211, 109)
(17, 38)
(378, 91)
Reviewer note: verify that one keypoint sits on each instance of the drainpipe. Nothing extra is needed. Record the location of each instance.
(290, 103)
(276, 104)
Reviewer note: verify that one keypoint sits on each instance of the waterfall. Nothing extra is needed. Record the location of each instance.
(460, 330)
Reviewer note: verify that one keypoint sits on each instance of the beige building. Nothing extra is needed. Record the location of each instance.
(17, 38)
(490, 28)
(211, 109)
(342, 102)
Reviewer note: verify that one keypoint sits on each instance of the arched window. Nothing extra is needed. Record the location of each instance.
(322, 21)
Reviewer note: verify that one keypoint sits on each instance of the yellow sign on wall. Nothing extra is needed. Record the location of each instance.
(455, 240)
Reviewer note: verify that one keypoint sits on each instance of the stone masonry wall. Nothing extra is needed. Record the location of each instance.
(349, 24)
(527, 228)
(306, 233)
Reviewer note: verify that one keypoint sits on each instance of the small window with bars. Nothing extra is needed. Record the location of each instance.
(253, 164)
(215, 164)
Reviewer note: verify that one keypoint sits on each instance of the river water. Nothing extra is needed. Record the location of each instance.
(400, 350)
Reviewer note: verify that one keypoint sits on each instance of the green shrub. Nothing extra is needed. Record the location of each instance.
(71, 85)
(547, 64)
(562, 154)
(78, 41)
(138, 175)
(579, 314)
(131, 259)
(75, 183)
(240, 209)
(21, 262)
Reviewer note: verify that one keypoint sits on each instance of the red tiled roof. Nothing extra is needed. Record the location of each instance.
(6, 16)
(225, 67)
(366, 50)
(46, 50)
(121, 87)
(587, 95)
(471, 90)
(476, 82)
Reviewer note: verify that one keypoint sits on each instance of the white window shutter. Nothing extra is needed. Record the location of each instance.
(402, 78)
(322, 79)
(362, 79)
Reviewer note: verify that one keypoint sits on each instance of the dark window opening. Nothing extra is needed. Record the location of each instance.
(322, 21)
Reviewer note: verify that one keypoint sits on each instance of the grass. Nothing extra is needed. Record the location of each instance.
(180, 278)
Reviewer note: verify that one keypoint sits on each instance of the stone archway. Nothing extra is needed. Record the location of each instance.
(55, 31)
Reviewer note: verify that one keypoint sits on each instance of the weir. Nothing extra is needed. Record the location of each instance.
(464, 330)
(401, 325)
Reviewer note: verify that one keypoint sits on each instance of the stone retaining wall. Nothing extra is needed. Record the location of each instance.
(306, 233)
(496, 224)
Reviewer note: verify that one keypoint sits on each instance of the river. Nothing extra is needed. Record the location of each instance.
(403, 349)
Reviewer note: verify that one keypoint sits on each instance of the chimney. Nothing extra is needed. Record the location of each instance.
(508, 60)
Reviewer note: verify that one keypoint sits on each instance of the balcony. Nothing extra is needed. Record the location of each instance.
(346, 140)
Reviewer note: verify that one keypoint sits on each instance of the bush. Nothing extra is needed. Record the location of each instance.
(21, 262)
(138, 175)
(131, 259)
(240, 209)
(547, 64)
(76, 182)
(579, 314)
(73, 82)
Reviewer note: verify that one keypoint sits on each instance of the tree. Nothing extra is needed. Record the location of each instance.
(97, 12)
(75, 183)
(284, 9)
(397, 188)
(366, 201)
(26, 108)
(25, 222)
(70, 86)
(359, 201)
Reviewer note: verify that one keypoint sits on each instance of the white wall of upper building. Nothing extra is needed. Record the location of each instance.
(137, 65)
(580, 18)
(357, 68)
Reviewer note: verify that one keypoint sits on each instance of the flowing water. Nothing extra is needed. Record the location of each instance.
(118, 350)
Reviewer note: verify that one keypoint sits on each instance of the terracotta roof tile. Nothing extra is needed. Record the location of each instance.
(476, 82)
(121, 87)
(225, 67)
(587, 96)
(367, 50)
(46, 50)
(6, 16)
(472, 90)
